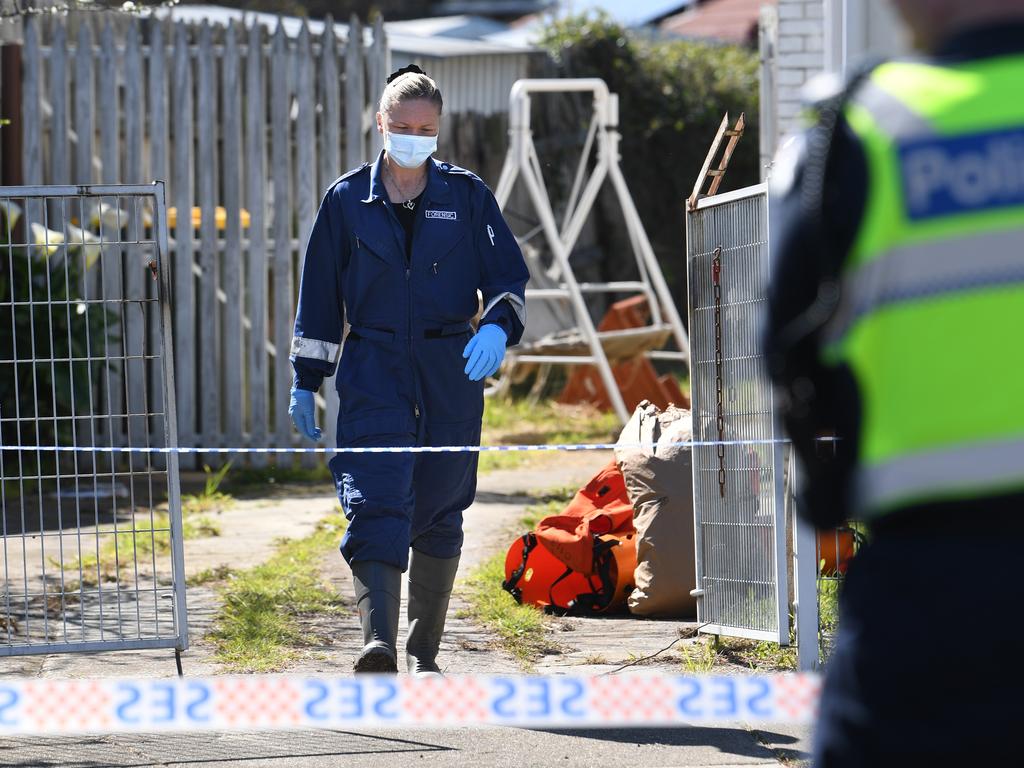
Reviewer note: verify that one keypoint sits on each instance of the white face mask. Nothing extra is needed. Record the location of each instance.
(409, 151)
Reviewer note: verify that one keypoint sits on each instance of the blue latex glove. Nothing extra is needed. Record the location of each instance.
(302, 409)
(485, 351)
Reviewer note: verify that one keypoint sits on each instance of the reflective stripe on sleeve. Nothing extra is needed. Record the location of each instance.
(314, 349)
(518, 305)
(964, 469)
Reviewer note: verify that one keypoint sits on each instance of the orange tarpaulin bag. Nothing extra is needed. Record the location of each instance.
(580, 561)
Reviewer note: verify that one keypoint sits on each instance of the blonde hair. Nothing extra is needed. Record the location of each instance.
(408, 87)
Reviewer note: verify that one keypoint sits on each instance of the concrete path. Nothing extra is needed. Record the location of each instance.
(249, 531)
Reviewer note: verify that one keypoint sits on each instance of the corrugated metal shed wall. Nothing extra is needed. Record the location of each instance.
(476, 83)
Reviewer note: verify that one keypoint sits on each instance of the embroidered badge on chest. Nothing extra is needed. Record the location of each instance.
(448, 215)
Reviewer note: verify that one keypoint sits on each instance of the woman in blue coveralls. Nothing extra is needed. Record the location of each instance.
(400, 250)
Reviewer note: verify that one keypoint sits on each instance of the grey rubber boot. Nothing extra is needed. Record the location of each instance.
(430, 587)
(378, 596)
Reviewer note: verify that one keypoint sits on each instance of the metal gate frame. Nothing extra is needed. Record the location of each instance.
(521, 162)
(767, 556)
(38, 202)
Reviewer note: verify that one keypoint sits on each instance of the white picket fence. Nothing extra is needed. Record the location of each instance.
(230, 120)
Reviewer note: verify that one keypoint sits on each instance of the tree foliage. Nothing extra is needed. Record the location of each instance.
(672, 96)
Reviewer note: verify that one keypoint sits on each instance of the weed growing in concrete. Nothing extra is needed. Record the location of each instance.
(211, 498)
(210, 575)
(257, 628)
(698, 657)
(762, 656)
(522, 629)
(133, 546)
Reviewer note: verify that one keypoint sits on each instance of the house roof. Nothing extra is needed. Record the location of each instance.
(462, 27)
(731, 21)
(408, 40)
(505, 8)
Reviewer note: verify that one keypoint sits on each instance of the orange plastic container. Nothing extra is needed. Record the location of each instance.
(636, 378)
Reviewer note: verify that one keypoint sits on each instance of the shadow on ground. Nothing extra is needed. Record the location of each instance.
(145, 750)
(732, 741)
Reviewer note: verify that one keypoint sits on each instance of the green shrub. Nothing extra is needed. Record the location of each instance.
(672, 96)
(45, 319)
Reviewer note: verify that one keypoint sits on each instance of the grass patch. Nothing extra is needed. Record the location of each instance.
(522, 630)
(698, 657)
(118, 553)
(522, 422)
(209, 575)
(245, 478)
(828, 603)
(211, 498)
(760, 656)
(258, 628)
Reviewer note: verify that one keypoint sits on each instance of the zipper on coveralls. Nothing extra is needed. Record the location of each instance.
(412, 360)
(408, 293)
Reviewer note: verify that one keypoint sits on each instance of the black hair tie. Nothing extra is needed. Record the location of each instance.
(412, 68)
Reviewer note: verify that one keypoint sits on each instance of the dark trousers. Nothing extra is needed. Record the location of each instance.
(927, 666)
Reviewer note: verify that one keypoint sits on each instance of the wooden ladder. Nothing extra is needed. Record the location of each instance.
(717, 174)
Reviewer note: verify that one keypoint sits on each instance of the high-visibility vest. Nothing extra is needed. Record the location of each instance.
(931, 315)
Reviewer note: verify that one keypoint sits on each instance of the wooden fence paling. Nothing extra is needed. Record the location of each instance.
(355, 98)
(330, 152)
(206, 128)
(60, 171)
(83, 87)
(255, 170)
(111, 261)
(134, 268)
(305, 171)
(379, 67)
(32, 124)
(184, 297)
(330, 91)
(231, 359)
(83, 107)
(26, 349)
(158, 170)
(280, 106)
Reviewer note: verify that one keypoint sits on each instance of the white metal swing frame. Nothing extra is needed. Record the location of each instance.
(521, 161)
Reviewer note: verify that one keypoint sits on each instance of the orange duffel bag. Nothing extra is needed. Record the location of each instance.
(580, 561)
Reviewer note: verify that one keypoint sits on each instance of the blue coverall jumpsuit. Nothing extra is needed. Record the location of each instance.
(401, 379)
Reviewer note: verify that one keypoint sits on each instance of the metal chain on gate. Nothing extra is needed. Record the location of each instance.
(716, 281)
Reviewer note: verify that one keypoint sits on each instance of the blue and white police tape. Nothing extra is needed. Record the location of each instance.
(402, 449)
(52, 707)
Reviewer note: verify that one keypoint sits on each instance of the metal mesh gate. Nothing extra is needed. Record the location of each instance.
(738, 487)
(92, 539)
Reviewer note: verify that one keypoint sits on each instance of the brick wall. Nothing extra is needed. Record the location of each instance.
(800, 55)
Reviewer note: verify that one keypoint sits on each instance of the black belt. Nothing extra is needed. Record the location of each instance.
(386, 334)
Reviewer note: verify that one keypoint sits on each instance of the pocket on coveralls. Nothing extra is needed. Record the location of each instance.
(369, 384)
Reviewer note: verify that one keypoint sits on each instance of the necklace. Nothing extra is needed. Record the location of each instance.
(410, 200)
